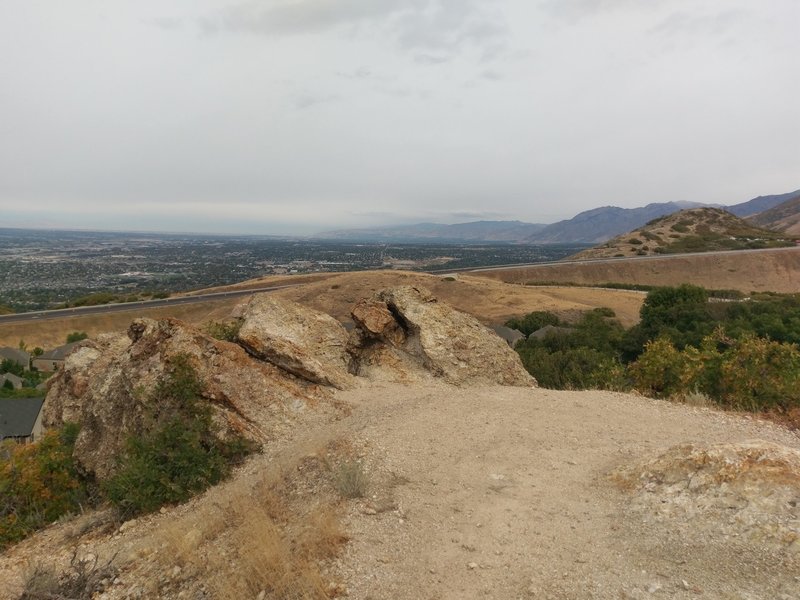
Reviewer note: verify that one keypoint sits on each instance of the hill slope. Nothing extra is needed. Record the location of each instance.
(600, 224)
(784, 218)
(693, 230)
(760, 204)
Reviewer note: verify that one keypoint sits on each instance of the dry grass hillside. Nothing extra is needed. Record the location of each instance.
(694, 230)
(784, 218)
(761, 271)
(490, 301)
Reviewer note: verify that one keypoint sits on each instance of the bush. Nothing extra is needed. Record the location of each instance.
(350, 479)
(181, 454)
(225, 331)
(661, 370)
(76, 336)
(38, 484)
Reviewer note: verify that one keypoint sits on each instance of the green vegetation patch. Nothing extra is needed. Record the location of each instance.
(38, 484)
(740, 352)
(182, 452)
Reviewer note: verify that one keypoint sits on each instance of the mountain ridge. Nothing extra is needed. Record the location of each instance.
(593, 226)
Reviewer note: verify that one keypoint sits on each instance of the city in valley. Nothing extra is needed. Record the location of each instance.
(42, 269)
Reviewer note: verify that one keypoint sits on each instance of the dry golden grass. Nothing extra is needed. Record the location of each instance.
(488, 300)
(265, 535)
(764, 271)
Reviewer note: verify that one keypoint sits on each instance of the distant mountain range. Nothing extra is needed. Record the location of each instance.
(590, 227)
(476, 231)
(784, 218)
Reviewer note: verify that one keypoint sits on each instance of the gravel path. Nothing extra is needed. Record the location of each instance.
(503, 493)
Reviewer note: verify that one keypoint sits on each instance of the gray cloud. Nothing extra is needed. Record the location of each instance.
(683, 23)
(413, 24)
(305, 115)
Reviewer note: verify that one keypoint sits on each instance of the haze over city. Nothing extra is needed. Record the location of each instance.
(292, 117)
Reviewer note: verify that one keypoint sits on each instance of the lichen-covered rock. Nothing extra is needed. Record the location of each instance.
(304, 342)
(107, 387)
(403, 332)
(747, 491)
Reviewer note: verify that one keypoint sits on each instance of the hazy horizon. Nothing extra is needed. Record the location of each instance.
(294, 117)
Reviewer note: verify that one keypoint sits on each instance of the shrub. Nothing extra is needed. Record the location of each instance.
(83, 580)
(180, 455)
(759, 374)
(351, 480)
(661, 370)
(38, 484)
(225, 331)
(76, 336)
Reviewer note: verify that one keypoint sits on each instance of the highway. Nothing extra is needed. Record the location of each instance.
(82, 311)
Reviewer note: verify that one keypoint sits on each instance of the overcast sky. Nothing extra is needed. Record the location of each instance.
(295, 116)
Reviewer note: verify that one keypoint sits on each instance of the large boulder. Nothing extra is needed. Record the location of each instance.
(107, 387)
(300, 340)
(404, 332)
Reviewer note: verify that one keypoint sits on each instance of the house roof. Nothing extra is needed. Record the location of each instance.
(18, 416)
(512, 336)
(59, 353)
(549, 330)
(14, 354)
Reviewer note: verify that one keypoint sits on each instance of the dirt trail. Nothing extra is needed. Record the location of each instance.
(480, 493)
(502, 493)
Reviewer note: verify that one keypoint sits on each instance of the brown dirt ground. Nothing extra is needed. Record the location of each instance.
(474, 493)
(490, 301)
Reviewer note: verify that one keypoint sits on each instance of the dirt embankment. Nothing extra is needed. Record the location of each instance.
(760, 271)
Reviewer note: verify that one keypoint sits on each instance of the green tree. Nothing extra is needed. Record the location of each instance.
(681, 314)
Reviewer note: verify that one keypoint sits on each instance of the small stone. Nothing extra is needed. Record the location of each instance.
(163, 510)
(261, 595)
(176, 570)
(369, 511)
(653, 588)
(472, 566)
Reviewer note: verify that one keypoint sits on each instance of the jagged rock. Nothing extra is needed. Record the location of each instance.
(106, 386)
(403, 332)
(747, 491)
(304, 342)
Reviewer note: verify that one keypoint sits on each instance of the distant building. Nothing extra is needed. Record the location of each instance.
(16, 382)
(511, 336)
(16, 355)
(21, 419)
(53, 360)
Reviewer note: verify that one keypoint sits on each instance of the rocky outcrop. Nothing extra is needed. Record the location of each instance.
(287, 357)
(403, 333)
(749, 492)
(302, 341)
(106, 386)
